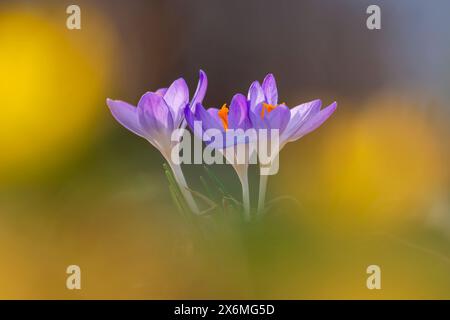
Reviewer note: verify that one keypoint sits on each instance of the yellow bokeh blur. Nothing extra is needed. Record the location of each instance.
(52, 87)
(382, 164)
(358, 191)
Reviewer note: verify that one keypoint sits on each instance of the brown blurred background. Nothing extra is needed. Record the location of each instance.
(369, 187)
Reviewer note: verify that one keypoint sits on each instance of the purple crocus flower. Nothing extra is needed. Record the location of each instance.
(266, 113)
(223, 129)
(157, 115)
(292, 124)
(221, 123)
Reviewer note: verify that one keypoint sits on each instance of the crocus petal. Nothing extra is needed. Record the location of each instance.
(161, 91)
(278, 118)
(255, 95)
(305, 109)
(256, 120)
(210, 120)
(238, 112)
(269, 87)
(126, 115)
(176, 97)
(189, 116)
(200, 92)
(299, 114)
(314, 122)
(213, 112)
(231, 138)
(155, 117)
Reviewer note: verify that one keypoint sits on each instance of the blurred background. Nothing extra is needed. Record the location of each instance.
(371, 186)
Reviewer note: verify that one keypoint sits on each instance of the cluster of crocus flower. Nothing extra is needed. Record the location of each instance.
(158, 114)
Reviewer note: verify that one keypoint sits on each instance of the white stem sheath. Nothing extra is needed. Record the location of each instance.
(262, 191)
(242, 172)
(179, 177)
(246, 196)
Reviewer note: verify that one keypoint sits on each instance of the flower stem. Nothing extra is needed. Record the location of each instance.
(179, 177)
(242, 172)
(246, 196)
(262, 191)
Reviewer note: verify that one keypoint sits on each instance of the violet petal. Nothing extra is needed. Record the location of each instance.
(278, 118)
(237, 112)
(155, 117)
(200, 92)
(255, 95)
(126, 115)
(269, 87)
(299, 114)
(176, 98)
(314, 122)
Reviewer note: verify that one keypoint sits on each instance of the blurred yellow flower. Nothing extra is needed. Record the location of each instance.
(381, 164)
(52, 88)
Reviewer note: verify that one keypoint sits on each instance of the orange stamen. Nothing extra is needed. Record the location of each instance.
(268, 107)
(223, 115)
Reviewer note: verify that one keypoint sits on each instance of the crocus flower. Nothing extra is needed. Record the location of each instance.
(223, 129)
(292, 124)
(156, 116)
(220, 123)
